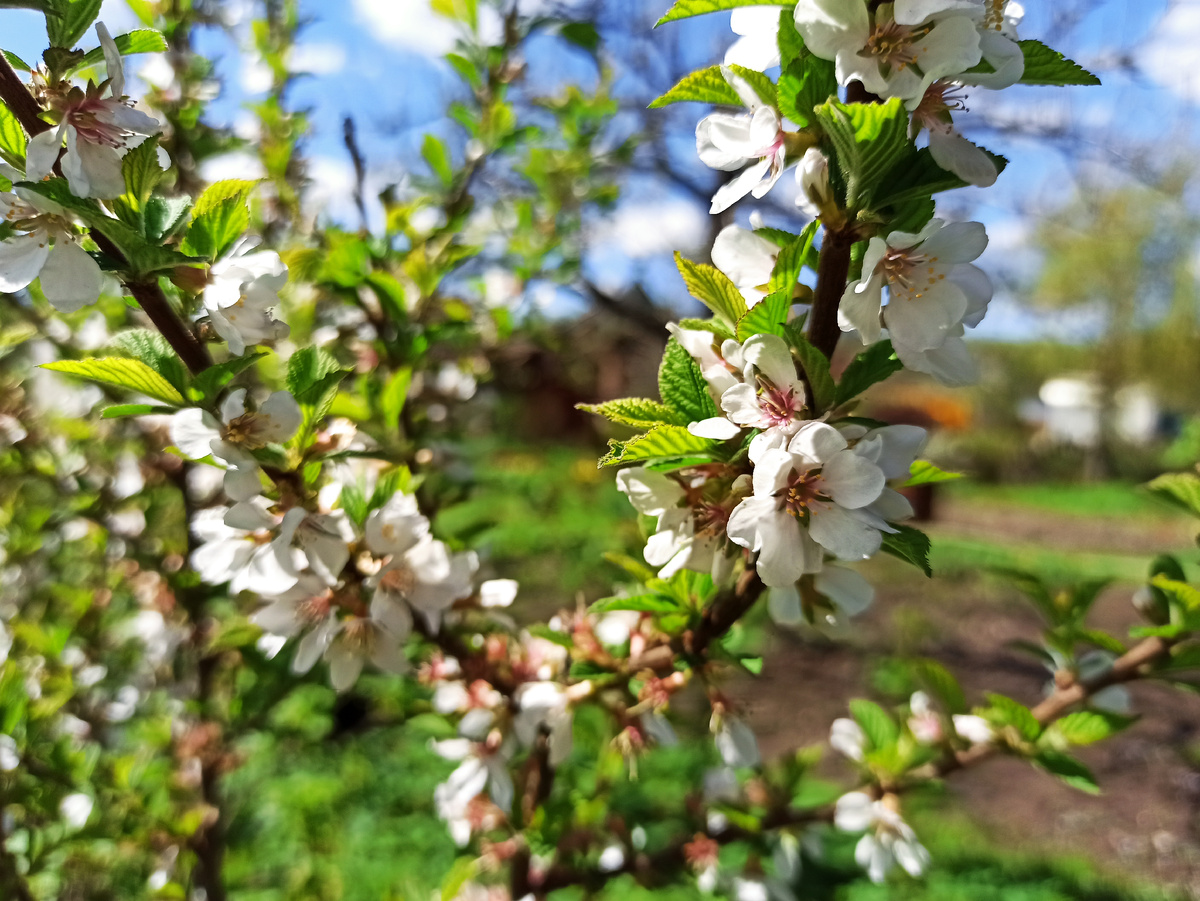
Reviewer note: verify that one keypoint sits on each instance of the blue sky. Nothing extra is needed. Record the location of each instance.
(378, 60)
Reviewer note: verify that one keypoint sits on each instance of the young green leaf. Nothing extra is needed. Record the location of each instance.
(638, 412)
(714, 289)
(144, 40)
(212, 380)
(768, 316)
(12, 139)
(219, 218)
(1046, 66)
(910, 545)
(793, 258)
(1007, 712)
(703, 86)
(873, 365)
(68, 20)
(438, 157)
(881, 730)
(682, 386)
(1179, 488)
(155, 351)
(1068, 769)
(804, 85)
(923, 472)
(940, 683)
(142, 172)
(1085, 727)
(868, 140)
(122, 372)
(663, 442)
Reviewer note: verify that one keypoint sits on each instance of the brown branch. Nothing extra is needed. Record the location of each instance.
(19, 101)
(832, 272)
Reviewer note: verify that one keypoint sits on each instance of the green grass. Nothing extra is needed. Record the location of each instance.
(953, 555)
(1109, 499)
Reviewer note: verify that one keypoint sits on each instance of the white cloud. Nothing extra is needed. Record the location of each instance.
(645, 228)
(318, 58)
(1169, 54)
(412, 25)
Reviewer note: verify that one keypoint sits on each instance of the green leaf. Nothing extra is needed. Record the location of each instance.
(395, 395)
(1007, 712)
(791, 44)
(718, 328)
(1085, 727)
(219, 218)
(1068, 769)
(313, 376)
(639, 412)
(923, 472)
(661, 442)
(142, 172)
(683, 9)
(210, 382)
(163, 217)
(121, 410)
(767, 317)
(940, 683)
(816, 369)
(910, 545)
(144, 40)
(868, 140)
(12, 139)
(873, 365)
(16, 62)
(804, 85)
(1187, 597)
(703, 86)
(68, 20)
(683, 387)
(581, 34)
(714, 289)
(792, 260)
(1179, 488)
(917, 175)
(1044, 65)
(155, 351)
(881, 730)
(642, 603)
(438, 157)
(122, 372)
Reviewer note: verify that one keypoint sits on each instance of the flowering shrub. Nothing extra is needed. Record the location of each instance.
(254, 502)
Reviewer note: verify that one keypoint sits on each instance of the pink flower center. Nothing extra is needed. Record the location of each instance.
(804, 493)
(778, 406)
(933, 112)
(908, 273)
(892, 45)
(91, 117)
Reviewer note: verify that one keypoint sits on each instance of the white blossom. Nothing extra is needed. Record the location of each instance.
(757, 46)
(747, 259)
(681, 539)
(243, 288)
(812, 175)
(888, 839)
(736, 742)
(753, 143)
(75, 809)
(484, 766)
(808, 500)
(544, 705)
(896, 52)
(932, 291)
(847, 738)
(950, 150)
(771, 396)
(99, 131)
(248, 547)
(197, 434)
(45, 244)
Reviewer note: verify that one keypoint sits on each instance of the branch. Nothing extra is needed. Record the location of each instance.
(833, 269)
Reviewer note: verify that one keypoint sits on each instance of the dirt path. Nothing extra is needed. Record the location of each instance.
(1147, 821)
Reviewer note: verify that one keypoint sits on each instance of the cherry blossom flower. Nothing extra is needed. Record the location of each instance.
(950, 150)
(757, 46)
(898, 50)
(689, 532)
(753, 143)
(998, 46)
(888, 839)
(484, 766)
(544, 705)
(772, 395)
(930, 286)
(747, 259)
(735, 741)
(197, 434)
(805, 503)
(848, 739)
(847, 590)
(248, 547)
(99, 131)
(243, 288)
(44, 244)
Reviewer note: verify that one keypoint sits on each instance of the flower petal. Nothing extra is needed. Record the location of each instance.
(70, 278)
(21, 259)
